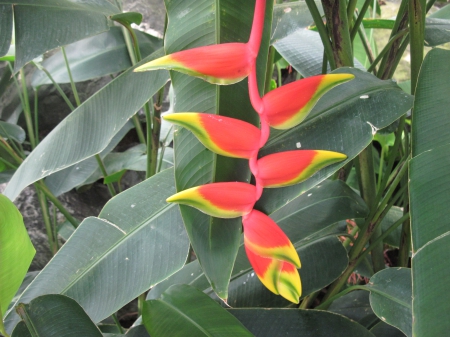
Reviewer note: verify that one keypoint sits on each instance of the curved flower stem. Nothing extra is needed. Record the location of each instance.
(254, 41)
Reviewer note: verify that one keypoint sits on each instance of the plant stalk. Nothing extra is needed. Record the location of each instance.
(27, 110)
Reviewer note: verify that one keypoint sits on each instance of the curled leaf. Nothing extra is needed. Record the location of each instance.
(292, 167)
(223, 135)
(225, 63)
(222, 200)
(287, 106)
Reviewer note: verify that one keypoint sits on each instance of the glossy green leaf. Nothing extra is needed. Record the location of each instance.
(358, 108)
(138, 331)
(21, 330)
(430, 196)
(186, 311)
(93, 57)
(307, 220)
(74, 175)
(215, 241)
(83, 133)
(56, 316)
(128, 18)
(391, 297)
(65, 22)
(12, 131)
(303, 49)
(290, 17)
(394, 214)
(6, 26)
(437, 31)
(298, 322)
(137, 241)
(443, 13)
(382, 329)
(16, 252)
(132, 159)
(356, 306)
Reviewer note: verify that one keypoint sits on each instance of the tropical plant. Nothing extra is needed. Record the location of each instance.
(247, 157)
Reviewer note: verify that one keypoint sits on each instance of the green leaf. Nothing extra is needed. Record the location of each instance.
(132, 159)
(55, 316)
(382, 329)
(394, 214)
(74, 175)
(93, 57)
(21, 330)
(16, 252)
(83, 133)
(6, 26)
(290, 17)
(356, 306)
(186, 311)
(303, 49)
(12, 131)
(128, 18)
(65, 22)
(391, 296)
(137, 241)
(437, 31)
(430, 196)
(115, 177)
(215, 241)
(307, 220)
(443, 13)
(138, 331)
(298, 322)
(358, 108)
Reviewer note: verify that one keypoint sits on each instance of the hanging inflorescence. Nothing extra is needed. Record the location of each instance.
(269, 250)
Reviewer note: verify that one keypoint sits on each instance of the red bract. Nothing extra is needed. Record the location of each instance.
(289, 105)
(225, 63)
(222, 200)
(292, 167)
(272, 255)
(223, 135)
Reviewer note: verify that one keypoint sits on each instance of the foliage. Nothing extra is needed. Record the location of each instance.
(341, 222)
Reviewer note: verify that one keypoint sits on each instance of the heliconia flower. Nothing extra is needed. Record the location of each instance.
(292, 167)
(287, 106)
(222, 200)
(225, 63)
(223, 135)
(272, 255)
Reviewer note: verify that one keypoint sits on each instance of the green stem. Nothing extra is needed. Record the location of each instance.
(366, 46)
(148, 117)
(405, 237)
(351, 10)
(36, 115)
(116, 320)
(386, 48)
(339, 283)
(57, 86)
(417, 10)
(7, 163)
(322, 32)
(42, 187)
(430, 4)
(337, 25)
(387, 65)
(309, 300)
(279, 79)
(369, 192)
(141, 301)
(324, 64)
(69, 72)
(102, 167)
(27, 110)
(360, 18)
(269, 69)
(156, 130)
(47, 222)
